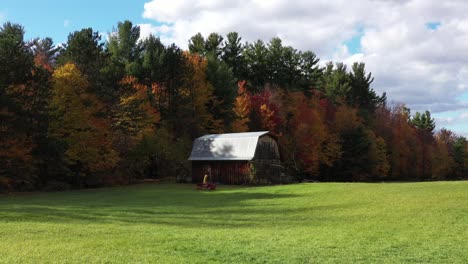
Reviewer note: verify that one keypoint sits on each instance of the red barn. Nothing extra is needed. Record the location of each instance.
(236, 158)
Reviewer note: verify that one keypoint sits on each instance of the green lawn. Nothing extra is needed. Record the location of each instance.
(302, 223)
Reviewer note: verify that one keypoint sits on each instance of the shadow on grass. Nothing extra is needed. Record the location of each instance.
(172, 206)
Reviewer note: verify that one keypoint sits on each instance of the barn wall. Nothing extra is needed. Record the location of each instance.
(267, 172)
(266, 161)
(265, 166)
(227, 172)
(267, 150)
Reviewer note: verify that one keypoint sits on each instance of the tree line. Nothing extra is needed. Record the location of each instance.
(92, 113)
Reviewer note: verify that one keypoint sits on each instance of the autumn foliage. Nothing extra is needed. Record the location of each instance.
(92, 114)
(241, 109)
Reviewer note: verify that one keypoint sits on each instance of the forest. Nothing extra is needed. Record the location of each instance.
(101, 111)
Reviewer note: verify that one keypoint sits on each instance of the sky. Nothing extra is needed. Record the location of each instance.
(417, 50)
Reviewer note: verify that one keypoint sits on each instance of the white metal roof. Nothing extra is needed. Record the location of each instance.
(231, 146)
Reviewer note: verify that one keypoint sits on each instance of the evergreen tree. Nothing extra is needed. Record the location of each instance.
(224, 88)
(85, 49)
(335, 82)
(16, 108)
(197, 44)
(123, 42)
(213, 44)
(45, 53)
(233, 54)
(361, 94)
(424, 122)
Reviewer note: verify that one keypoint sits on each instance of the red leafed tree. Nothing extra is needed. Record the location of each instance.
(265, 113)
(312, 142)
(404, 151)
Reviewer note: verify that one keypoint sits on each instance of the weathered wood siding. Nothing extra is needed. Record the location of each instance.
(266, 162)
(267, 150)
(265, 165)
(227, 172)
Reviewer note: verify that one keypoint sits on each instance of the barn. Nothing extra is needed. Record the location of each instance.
(236, 158)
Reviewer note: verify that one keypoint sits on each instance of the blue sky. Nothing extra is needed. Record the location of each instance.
(354, 43)
(433, 25)
(416, 52)
(464, 97)
(57, 18)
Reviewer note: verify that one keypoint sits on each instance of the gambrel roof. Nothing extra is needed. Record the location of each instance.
(230, 146)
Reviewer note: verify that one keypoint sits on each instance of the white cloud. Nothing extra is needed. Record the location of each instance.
(422, 67)
(162, 31)
(253, 19)
(66, 23)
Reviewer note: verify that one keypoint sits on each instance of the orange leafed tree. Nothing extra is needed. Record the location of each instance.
(15, 145)
(200, 93)
(135, 112)
(315, 144)
(242, 107)
(442, 160)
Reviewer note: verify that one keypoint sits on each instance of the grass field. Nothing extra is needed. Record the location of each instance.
(302, 223)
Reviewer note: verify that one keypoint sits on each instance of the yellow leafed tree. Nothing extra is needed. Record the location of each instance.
(74, 120)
